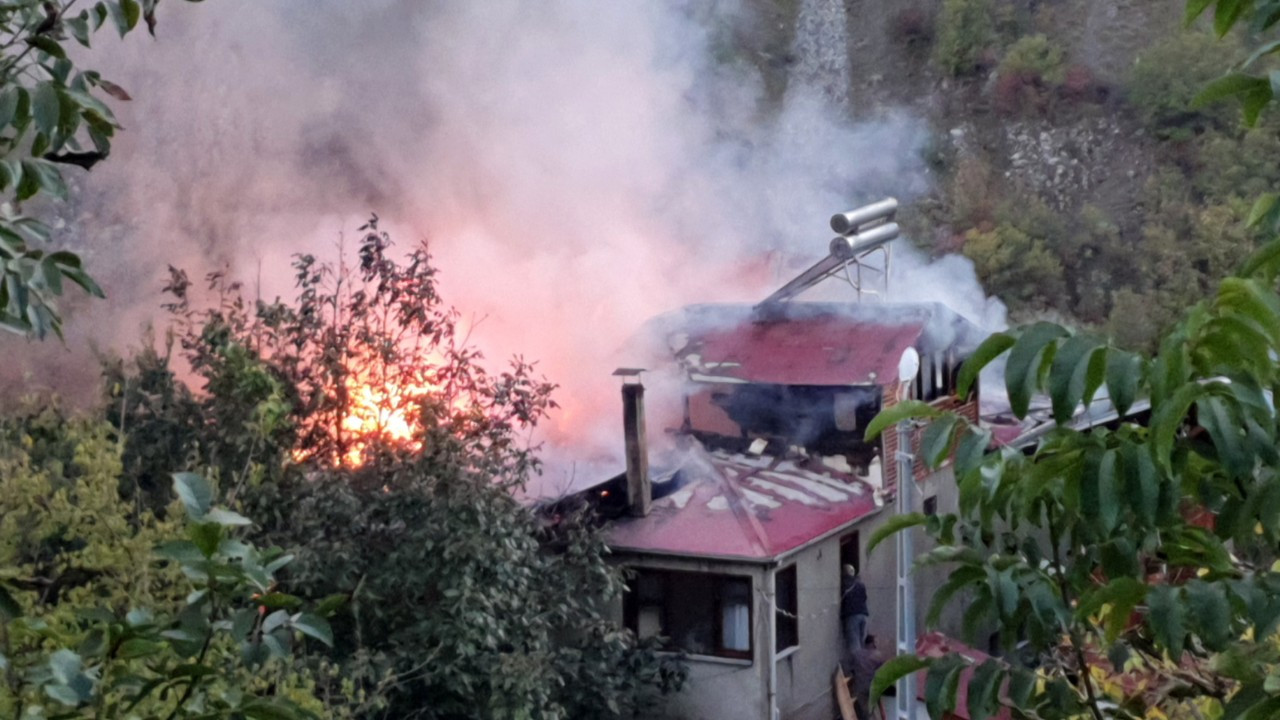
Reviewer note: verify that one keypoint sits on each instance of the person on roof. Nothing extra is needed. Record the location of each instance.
(853, 608)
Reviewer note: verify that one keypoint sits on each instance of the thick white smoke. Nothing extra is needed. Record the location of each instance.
(576, 167)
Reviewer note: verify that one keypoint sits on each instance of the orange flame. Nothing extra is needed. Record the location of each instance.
(380, 413)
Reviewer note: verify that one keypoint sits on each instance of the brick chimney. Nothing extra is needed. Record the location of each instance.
(639, 489)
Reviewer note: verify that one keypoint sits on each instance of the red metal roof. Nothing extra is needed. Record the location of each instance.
(821, 350)
(936, 645)
(743, 506)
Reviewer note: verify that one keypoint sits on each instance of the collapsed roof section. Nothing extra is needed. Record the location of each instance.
(718, 504)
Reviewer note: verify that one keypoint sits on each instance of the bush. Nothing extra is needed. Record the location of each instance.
(1030, 71)
(1169, 74)
(1015, 267)
(966, 36)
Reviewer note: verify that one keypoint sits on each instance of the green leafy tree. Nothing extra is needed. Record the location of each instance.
(463, 602)
(52, 114)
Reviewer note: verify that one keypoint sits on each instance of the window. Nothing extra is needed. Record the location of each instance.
(787, 606)
(700, 613)
(931, 505)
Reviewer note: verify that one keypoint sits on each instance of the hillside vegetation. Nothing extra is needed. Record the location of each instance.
(1068, 162)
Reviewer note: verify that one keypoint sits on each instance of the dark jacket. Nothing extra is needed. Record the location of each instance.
(853, 597)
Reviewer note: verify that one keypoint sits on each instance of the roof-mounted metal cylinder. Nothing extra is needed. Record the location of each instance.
(847, 247)
(851, 222)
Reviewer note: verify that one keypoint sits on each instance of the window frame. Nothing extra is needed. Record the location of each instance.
(669, 582)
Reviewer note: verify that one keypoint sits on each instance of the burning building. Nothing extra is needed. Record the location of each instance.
(735, 526)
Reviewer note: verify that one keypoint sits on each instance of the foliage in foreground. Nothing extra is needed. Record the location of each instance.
(1133, 570)
(106, 612)
(52, 115)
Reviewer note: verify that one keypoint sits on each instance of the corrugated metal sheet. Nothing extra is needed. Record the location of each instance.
(823, 350)
(742, 506)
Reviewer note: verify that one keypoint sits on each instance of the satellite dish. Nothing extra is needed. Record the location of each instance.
(908, 365)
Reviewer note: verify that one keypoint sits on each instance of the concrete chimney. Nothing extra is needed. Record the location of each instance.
(639, 488)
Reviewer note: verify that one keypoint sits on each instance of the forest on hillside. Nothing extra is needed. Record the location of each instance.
(1067, 159)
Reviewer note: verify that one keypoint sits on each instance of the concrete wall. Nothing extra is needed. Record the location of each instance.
(805, 674)
(717, 687)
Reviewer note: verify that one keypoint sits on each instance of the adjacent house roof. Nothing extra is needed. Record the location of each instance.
(810, 343)
(728, 505)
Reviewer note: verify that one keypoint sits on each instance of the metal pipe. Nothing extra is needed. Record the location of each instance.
(805, 280)
(847, 247)
(771, 598)
(905, 701)
(849, 222)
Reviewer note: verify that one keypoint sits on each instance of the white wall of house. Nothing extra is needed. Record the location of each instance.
(728, 688)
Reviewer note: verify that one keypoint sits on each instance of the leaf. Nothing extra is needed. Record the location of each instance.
(958, 580)
(989, 350)
(65, 665)
(1108, 507)
(45, 107)
(1022, 374)
(138, 647)
(8, 105)
(125, 14)
(894, 670)
(194, 492)
(1165, 615)
(1225, 15)
(894, 414)
(331, 604)
(1195, 8)
(1124, 370)
(894, 525)
(314, 626)
(206, 537)
(1021, 684)
(1225, 87)
(1211, 613)
(47, 45)
(1262, 206)
(940, 685)
(935, 441)
(1217, 418)
(226, 517)
(261, 709)
(971, 449)
(1168, 418)
(182, 551)
(114, 90)
(277, 601)
(1068, 375)
(79, 28)
(984, 686)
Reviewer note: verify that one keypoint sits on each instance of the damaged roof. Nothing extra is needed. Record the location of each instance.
(811, 343)
(732, 505)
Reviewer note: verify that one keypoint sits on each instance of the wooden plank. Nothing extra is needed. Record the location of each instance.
(843, 698)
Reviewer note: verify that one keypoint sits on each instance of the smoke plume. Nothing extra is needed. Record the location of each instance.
(576, 168)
